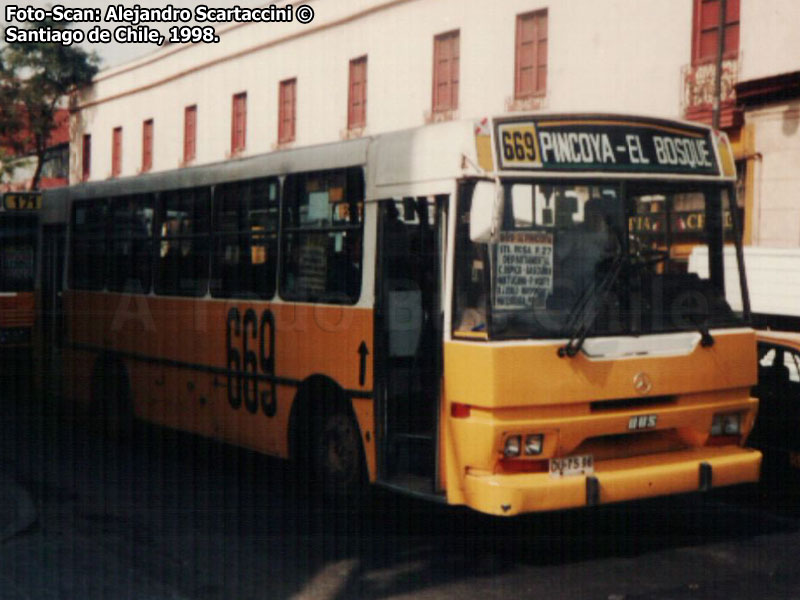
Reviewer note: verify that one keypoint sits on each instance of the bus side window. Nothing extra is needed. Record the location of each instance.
(323, 228)
(183, 263)
(245, 239)
(88, 262)
(17, 251)
(130, 243)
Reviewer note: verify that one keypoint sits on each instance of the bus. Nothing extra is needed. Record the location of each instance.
(19, 222)
(468, 312)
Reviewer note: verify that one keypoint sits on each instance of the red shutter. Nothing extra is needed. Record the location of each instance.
(189, 133)
(706, 20)
(116, 152)
(86, 161)
(357, 100)
(239, 122)
(445, 71)
(530, 76)
(147, 145)
(287, 105)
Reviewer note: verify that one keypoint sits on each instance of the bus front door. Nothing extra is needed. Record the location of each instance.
(408, 334)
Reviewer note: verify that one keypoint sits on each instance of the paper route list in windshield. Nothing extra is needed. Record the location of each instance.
(524, 270)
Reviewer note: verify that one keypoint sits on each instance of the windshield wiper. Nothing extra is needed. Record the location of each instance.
(706, 339)
(584, 314)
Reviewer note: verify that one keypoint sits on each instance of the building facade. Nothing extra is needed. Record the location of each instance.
(768, 94)
(56, 165)
(364, 67)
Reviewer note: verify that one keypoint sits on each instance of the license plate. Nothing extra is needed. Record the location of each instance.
(572, 465)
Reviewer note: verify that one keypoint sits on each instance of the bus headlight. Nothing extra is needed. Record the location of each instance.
(512, 447)
(533, 444)
(726, 424)
(731, 424)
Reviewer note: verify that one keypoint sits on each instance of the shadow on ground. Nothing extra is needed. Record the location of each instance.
(209, 521)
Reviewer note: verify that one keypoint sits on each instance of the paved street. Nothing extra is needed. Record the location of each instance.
(170, 516)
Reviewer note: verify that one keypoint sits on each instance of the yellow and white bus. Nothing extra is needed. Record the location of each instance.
(476, 313)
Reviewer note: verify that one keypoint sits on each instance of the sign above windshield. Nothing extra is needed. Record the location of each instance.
(605, 144)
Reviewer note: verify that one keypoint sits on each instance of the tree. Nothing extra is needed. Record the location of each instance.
(35, 77)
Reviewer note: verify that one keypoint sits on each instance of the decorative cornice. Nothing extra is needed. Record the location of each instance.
(775, 88)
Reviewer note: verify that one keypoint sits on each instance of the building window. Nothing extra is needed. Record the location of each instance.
(86, 158)
(530, 63)
(705, 32)
(445, 71)
(147, 145)
(116, 152)
(189, 133)
(287, 105)
(239, 123)
(357, 94)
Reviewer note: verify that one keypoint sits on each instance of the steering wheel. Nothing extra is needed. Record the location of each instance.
(645, 256)
(652, 256)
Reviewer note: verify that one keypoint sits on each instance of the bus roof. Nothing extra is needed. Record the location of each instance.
(327, 156)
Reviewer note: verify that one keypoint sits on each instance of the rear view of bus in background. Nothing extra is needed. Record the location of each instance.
(19, 222)
(496, 314)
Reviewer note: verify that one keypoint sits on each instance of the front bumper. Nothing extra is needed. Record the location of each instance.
(695, 469)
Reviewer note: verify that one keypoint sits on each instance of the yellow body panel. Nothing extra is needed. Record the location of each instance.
(625, 479)
(176, 353)
(17, 311)
(517, 388)
(498, 375)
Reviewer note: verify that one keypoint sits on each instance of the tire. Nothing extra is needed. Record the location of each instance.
(337, 456)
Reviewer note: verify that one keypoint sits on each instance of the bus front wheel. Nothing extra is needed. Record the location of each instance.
(338, 460)
(326, 443)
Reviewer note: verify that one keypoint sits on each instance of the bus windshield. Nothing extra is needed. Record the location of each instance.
(610, 257)
(17, 247)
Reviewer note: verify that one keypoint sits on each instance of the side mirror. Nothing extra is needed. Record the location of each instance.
(486, 212)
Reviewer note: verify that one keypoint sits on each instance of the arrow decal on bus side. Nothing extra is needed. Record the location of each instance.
(362, 369)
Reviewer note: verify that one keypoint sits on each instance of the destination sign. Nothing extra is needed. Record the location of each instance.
(605, 144)
(22, 200)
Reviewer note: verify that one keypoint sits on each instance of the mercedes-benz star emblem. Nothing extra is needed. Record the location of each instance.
(642, 383)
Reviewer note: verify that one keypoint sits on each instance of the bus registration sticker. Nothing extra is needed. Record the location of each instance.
(572, 465)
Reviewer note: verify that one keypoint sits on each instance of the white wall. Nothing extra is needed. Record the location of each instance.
(776, 209)
(604, 55)
(769, 38)
(770, 42)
